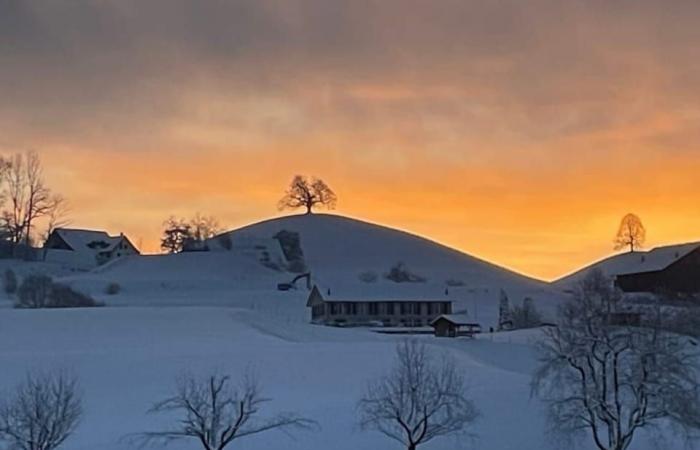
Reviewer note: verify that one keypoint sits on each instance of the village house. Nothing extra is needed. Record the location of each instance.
(358, 309)
(86, 249)
(671, 269)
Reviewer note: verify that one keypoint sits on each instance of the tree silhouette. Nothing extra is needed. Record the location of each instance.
(631, 233)
(307, 192)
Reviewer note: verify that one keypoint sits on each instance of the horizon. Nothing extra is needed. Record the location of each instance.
(520, 133)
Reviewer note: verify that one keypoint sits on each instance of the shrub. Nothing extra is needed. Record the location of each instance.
(113, 289)
(290, 241)
(34, 292)
(39, 291)
(453, 282)
(9, 282)
(400, 274)
(63, 296)
(368, 277)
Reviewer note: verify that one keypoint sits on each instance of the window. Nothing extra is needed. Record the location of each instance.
(390, 309)
(350, 308)
(335, 309)
(404, 308)
(373, 309)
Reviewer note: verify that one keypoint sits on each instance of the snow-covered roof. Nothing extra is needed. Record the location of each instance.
(657, 259)
(653, 260)
(384, 291)
(457, 319)
(80, 240)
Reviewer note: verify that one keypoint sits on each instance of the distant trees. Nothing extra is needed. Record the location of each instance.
(304, 192)
(631, 233)
(612, 381)
(525, 316)
(418, 400)
(214, 412)
(28, 197)
(42, 413)
(183, 234)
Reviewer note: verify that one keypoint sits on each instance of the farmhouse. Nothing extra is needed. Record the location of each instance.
(674, 269)
(86, 249)
(453, 325)
(357, 308)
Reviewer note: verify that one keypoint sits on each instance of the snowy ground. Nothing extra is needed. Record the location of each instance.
(127, 358)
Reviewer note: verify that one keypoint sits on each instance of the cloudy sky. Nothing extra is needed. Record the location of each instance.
(518, 131)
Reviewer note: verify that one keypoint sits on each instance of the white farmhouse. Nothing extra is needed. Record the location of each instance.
(86, 249)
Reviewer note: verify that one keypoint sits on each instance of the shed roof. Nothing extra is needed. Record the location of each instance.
(456, 319)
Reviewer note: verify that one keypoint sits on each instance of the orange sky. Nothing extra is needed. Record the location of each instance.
(520, 132)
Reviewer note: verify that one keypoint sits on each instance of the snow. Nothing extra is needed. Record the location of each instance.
(632, 262)
(221, 311)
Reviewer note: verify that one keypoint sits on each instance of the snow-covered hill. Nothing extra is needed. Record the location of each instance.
(347, 256)
(630, 262)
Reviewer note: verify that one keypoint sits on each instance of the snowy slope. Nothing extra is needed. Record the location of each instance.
(631, 262)
(128, 358)
(338, 250)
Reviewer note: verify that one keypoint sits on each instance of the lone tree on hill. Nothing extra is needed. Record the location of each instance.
(631, 234)
(307, 192)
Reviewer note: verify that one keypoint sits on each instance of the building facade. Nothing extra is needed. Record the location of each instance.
(377, 311)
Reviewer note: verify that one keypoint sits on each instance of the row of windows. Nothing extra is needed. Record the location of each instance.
(382, 308)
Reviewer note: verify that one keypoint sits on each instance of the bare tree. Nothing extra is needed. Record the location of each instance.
(612, 381)
(307, 193)
(631, 233)
(29, 197)
(176, 232)
(215, 413)
(57, 216)
(418, 400)
(204, 227)
(44, 411)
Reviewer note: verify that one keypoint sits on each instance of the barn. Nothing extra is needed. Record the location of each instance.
(671, 269)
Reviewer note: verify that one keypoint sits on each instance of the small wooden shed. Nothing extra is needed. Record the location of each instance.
(453, 325)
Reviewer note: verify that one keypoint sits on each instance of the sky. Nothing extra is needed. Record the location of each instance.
(517, 131)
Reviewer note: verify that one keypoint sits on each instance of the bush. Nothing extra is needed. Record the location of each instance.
(290, 241)
(453, 282)
(113, 289)
(9, 282)
(368, 277)
(34, 292)
(63, 296)
(39, 291)
(400, 274)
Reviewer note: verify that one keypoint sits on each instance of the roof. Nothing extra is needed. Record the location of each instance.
(654, 260)
(81, 239)
(657, 259)
(384, 292)
(457, 319)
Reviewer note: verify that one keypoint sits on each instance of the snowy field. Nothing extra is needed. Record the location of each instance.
(222, 312)
(128, 358)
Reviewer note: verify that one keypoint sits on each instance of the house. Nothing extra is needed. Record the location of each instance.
(673, 269)
(86, 249)
(453, 325)
(358, 308)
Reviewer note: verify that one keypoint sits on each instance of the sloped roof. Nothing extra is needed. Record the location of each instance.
(457, 319)
(656, 259)
(80, 240)
(653, 260)
(384, 291)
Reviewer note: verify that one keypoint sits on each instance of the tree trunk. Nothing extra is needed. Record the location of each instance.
(411, 447)
(308, 209)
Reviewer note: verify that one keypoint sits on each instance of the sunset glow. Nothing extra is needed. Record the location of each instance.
(518, 134)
